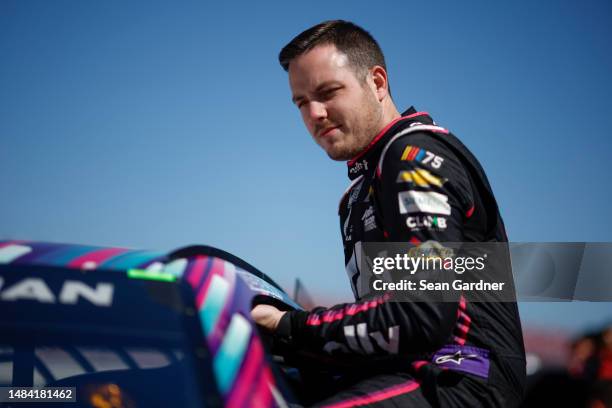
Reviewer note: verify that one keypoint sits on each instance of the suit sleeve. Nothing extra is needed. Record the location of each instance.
(423, 195)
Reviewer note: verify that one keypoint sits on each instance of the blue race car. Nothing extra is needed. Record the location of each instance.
(127, 328)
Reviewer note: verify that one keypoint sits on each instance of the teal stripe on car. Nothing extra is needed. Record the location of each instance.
(63, 256)
(129, 260)
(176, 267)
(232, 352)
(213, 303)
(11, 252)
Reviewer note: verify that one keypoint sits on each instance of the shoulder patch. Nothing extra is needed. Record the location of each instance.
(419, 177)
(411, 151)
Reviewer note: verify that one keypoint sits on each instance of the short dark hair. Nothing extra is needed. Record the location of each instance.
(360, 47)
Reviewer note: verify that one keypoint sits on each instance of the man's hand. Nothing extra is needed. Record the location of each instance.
(267, 316)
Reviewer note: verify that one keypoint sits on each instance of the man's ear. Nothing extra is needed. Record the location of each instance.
(379, 79)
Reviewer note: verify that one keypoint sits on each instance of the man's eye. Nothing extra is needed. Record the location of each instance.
(329, 93)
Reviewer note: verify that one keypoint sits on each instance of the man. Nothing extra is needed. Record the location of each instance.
(412, 181)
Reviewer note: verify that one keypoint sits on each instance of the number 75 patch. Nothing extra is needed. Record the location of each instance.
(413, 153)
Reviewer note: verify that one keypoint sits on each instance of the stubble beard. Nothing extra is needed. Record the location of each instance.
(362, 132)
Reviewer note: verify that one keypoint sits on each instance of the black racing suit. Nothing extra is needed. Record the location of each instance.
(410, 158)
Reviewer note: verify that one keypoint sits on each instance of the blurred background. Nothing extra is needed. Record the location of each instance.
(155, 125)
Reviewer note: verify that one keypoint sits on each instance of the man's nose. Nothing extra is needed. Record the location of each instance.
(317, 111)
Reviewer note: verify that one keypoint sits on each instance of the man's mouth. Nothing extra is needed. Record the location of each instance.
(326, 131)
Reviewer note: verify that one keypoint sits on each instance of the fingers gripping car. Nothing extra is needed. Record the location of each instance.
(127, 328)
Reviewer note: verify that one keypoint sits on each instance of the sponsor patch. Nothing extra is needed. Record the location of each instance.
(456, 358)
(354, 193)
(368, 213)
(472, 360)
(419, 177)
(359, 166)
(426, 221)
(369, 220)
(423, 202)
(413, 153)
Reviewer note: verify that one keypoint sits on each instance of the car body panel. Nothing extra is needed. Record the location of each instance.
(222, 290)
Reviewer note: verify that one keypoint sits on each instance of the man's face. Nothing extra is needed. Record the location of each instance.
(341, 111)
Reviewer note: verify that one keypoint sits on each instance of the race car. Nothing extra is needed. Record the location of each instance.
(126, 328)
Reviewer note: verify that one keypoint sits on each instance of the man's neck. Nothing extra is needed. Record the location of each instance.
(390, 113)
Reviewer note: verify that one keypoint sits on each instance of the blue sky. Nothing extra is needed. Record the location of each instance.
(160, 124)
